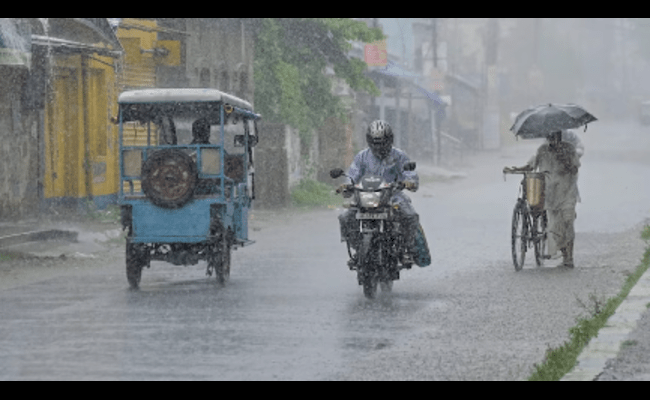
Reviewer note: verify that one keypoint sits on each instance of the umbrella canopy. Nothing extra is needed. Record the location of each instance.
(538, 122)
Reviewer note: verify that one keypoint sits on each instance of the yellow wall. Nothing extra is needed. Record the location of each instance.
(139, 67)
(68, 144)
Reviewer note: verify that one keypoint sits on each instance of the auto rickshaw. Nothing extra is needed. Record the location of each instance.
(186, 177)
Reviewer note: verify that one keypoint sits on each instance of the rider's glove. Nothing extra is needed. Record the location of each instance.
(343, 188)
(412, 186)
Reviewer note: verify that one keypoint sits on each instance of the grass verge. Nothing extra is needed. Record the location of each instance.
(559, 361)
(10, 255)
(310, 193)
(111, 214)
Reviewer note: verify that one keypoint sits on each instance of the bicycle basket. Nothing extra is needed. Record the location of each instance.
(535, 189)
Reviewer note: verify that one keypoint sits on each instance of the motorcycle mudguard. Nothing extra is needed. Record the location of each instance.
(422, 256)
(363, 252)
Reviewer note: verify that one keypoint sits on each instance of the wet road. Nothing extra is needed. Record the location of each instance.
(292, 310)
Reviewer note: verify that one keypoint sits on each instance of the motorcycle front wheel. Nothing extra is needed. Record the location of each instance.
(370, 286)
(368, 277)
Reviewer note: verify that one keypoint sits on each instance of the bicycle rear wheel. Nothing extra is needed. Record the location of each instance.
(519, 235)
(539, 225)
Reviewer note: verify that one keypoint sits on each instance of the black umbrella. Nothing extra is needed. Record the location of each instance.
(538, 122)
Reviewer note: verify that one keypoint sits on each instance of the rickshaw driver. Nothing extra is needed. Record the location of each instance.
(560, 159)
(201, 131)
(381, 158)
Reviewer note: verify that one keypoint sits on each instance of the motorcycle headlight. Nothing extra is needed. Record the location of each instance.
(369, 199)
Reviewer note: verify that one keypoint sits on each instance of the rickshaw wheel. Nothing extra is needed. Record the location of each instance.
(219, 259)
(169, 178)
(519, 235)
(136, 259)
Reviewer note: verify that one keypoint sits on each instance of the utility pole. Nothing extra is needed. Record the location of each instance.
(436, 114)
(434, 41)
(491, 135)
(534, 72)
(373, 99)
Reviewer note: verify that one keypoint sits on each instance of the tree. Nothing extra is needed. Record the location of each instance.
(291, 57)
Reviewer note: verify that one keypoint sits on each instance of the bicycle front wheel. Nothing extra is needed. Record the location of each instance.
(519, 235)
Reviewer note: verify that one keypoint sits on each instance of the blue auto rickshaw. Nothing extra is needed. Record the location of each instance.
(186, 177)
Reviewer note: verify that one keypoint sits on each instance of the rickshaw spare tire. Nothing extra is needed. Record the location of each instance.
(169, 178)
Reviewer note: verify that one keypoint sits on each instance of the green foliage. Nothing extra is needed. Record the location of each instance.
(312, 193)
(645, 234)
(291, 57)
(110, 215)
(8, 255)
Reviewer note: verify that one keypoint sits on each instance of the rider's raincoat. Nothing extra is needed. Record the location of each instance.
(390, 168)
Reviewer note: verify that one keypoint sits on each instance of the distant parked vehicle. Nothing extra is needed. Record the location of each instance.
(186, 177)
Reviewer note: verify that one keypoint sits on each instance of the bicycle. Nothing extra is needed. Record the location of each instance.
(529, 219)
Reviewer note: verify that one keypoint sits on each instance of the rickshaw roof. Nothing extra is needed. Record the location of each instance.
(181, 96)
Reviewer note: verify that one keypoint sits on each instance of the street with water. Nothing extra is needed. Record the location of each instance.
(293, 311)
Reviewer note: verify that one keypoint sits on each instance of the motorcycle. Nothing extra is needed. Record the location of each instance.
(380, 242)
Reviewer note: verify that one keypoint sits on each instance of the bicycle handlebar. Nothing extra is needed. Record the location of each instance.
(508, 170)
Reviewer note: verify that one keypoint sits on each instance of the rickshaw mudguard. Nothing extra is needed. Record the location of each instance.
(240, 219)
(188, 224)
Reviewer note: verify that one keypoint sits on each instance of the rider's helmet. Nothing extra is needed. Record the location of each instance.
(380, 138)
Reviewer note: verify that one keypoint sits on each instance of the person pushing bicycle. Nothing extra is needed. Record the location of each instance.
(560, 161)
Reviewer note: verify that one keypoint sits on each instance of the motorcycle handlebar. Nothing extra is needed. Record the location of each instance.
(350, 187)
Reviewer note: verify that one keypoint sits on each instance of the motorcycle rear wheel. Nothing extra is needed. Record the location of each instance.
(370, 286)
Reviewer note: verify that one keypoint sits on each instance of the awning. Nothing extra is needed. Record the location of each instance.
(394, 71)
(76, 35)
(72, 47)
(433, 97)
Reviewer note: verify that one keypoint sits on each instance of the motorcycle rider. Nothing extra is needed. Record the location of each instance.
(382, 159)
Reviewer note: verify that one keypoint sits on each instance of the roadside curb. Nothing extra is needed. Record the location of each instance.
(593, 359)
(35, 236)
